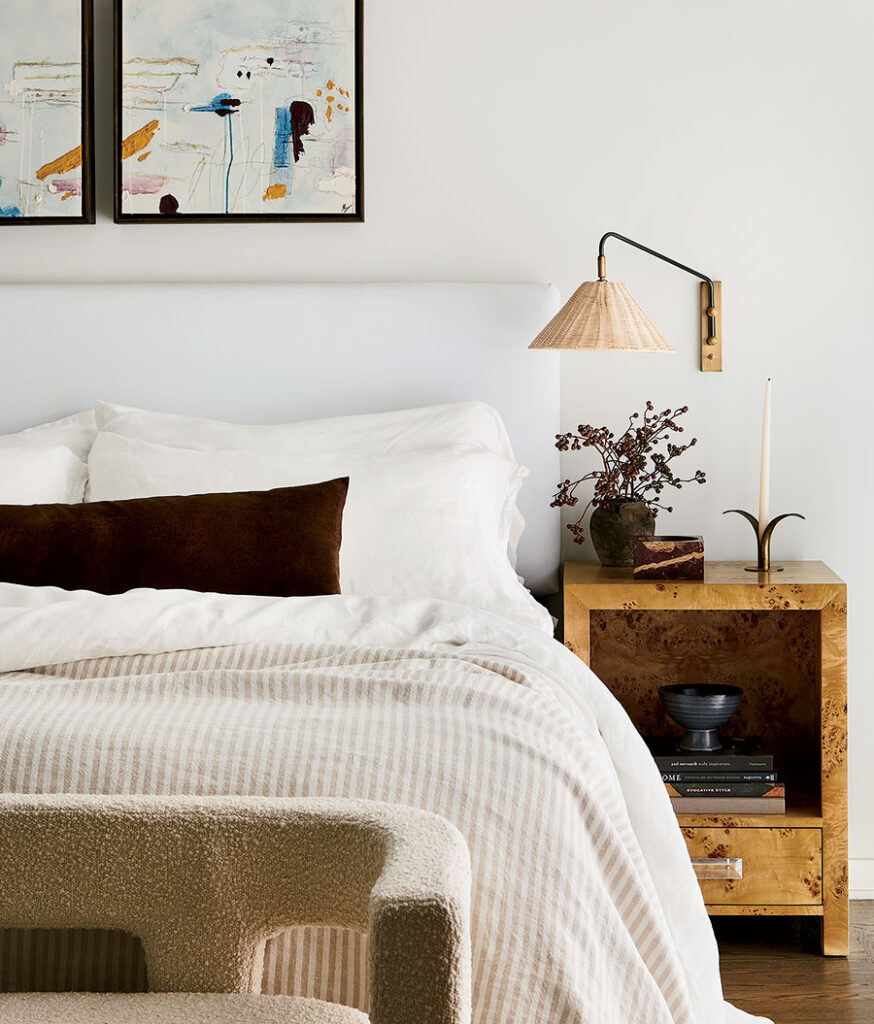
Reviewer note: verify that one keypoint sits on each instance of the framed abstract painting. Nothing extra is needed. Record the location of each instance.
(46, 104)
(238, 111)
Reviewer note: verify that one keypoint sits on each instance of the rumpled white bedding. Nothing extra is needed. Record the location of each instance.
(585, 905)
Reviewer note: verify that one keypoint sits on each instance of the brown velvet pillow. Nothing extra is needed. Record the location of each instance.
(283, 543)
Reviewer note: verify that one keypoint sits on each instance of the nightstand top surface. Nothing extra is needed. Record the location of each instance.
(715, 573)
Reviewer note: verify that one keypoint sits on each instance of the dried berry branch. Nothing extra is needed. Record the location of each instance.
(633, 468)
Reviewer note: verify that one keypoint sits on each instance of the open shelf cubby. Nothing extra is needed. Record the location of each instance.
(772, 656)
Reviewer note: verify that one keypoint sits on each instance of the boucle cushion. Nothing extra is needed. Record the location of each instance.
(163, 1008)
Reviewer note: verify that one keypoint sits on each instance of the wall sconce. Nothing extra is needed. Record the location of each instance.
(603, 316)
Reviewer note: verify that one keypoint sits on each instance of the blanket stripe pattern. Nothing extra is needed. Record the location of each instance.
(566, 924)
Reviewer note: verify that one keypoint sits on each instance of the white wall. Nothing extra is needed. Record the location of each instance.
(503, 137)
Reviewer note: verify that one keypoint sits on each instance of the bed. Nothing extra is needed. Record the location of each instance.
(441, 690)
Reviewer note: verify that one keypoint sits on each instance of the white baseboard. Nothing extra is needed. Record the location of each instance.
(862, 879)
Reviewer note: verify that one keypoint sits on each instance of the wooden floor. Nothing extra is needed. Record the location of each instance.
(771, 967)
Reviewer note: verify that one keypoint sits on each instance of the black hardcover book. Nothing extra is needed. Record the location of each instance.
(737, 756)
(747, 789)
(691, 776)
(715, 763)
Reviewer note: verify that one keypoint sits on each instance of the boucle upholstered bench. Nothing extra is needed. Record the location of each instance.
(205, 881)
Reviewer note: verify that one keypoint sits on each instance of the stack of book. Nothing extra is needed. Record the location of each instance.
(732, 781)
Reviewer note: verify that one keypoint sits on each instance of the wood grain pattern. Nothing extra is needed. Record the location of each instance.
(773, 910)
(780, 865)
(782, 637)
(833, 729)
(803, 815)
(576, 624)
(773, 656)
(805, 574)
(771, 967)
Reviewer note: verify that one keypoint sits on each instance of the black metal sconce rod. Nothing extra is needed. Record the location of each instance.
(711, 318)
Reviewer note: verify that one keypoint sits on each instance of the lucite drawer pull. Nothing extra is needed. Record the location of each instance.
(718, 867)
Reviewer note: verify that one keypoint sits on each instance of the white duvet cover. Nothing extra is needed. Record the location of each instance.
(585, 905)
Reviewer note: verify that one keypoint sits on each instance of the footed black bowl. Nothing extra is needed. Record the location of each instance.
(700, 708)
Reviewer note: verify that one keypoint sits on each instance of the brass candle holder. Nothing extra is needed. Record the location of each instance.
(763, 541)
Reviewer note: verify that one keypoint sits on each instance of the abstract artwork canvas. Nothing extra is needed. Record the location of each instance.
(46, 166)
(238, 111)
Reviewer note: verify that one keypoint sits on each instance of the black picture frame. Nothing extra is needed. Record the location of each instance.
(244, 218)
(87, 214)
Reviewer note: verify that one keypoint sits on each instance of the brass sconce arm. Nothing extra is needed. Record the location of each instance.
(711, 310)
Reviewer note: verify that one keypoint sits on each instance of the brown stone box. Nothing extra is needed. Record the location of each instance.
(669, 558)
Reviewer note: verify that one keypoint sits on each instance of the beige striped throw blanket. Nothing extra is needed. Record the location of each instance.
(585, 907)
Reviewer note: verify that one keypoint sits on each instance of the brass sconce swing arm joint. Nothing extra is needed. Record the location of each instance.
(711, 310)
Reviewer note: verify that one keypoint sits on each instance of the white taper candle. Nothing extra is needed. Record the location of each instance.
(765, 478)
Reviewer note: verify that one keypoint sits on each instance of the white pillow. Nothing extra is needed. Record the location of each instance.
(41, 476)
(432, 524)
(75, 432)
(383, 433)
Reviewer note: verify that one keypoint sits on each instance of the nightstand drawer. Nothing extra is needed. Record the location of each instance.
(781, 866)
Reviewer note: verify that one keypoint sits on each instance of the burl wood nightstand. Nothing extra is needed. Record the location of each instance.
(783, 638)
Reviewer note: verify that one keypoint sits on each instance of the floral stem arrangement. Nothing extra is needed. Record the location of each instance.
(636, 468)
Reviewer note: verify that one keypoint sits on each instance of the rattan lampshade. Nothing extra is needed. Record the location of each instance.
(602, 316)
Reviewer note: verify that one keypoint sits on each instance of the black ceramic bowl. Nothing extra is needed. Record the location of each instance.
(700, 709)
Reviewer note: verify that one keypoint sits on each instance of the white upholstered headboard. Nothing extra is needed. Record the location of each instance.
(277, 352)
